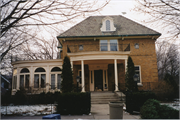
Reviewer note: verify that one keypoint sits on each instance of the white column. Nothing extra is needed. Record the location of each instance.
(31, 77)
(47, 78)
(72, 65)
(116, 75)
(18, 79)
(125, 65)
(82, 74)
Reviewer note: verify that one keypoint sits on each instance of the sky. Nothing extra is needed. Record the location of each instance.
(118, 7)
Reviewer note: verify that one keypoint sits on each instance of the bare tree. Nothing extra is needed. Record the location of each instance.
(167, 59)
(18, 15)
(42, 49)
(165, 12)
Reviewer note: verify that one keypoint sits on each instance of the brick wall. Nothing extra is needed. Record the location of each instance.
(145, 57)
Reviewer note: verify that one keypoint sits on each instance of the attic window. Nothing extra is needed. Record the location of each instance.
(107, 25)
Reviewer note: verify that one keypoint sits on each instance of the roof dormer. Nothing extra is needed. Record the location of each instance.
(107, 25)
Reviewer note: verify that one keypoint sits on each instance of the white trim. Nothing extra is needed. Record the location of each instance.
(103, 28)
(83, 76)
(79, 57)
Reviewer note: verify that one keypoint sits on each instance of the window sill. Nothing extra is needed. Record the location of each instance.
(140, 84)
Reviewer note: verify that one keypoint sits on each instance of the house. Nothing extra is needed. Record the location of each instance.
(98, 48)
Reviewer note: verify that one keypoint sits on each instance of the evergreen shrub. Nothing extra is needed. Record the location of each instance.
(135, 100)
(74, 103)
(20, 98)
(153, 110)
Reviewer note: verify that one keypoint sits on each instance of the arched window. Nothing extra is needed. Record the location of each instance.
(108, 25)
(40, 70)
(55, 69)
(24, 70)
(24, 78)
(56, 78)
(40, 77)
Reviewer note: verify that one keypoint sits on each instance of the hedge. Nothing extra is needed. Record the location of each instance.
(153, 110)
(135, 100)
(74, 103)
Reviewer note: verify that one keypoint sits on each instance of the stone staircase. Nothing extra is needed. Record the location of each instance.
(104, 97)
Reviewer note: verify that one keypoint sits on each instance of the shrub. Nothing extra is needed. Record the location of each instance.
(6, 98)
(129, 76)
(20, 97)
(67, 83)
(166, 112)
(74, 103)
(135, 100)
(153, 110)
(149, 109)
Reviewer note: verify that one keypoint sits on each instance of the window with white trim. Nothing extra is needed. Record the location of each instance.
(40, 78)
(56, 78)
(138, 73)
(108, 45)
(24, 78)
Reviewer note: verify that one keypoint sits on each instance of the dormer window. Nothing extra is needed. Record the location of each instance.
(107, 25)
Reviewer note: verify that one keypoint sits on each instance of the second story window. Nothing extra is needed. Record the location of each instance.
(108, 45)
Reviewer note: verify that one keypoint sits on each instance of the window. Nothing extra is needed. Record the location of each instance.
(137, 72)
(24, 78)
(80, 47)
(56, 78)
(108, 28)
(108, 45)
(136, 46)
(59, 81)
(107, 25)
(113, 45)
(52, 81)
(40, 78)
(104, 45)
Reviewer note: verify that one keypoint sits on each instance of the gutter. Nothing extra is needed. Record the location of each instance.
(109, 36)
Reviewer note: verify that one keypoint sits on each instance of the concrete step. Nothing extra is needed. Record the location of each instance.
(103, 97)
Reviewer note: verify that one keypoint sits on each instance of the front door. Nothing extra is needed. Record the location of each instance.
(98, 79)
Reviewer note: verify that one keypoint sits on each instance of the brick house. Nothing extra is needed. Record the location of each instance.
(98, 48)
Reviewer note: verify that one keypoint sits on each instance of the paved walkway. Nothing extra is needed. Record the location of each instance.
(98, 111)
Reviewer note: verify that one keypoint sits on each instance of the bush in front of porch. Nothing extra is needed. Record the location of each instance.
(67, 82)
(130, 72)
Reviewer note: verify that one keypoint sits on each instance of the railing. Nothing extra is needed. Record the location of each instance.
(96, 47)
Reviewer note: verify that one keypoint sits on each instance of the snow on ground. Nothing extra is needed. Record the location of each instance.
(175, 104)
(28, 110)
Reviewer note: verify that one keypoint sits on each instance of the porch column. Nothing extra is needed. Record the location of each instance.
(18, 79)
(31, 77)
(82, 74)
(72, 65)
(116, 75)
(48, 80)
(125, 65)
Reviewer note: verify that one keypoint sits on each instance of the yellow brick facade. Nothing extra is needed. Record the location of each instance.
(145, 57)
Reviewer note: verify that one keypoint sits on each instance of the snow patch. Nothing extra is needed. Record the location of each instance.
(28, 110)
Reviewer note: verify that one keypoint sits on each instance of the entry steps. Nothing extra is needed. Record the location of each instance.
(104, 97)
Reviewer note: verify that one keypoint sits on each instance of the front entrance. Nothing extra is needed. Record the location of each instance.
(98, 79)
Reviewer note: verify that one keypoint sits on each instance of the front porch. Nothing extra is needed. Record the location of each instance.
(99, 71)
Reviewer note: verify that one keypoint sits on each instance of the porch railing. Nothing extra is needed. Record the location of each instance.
(96, 47)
